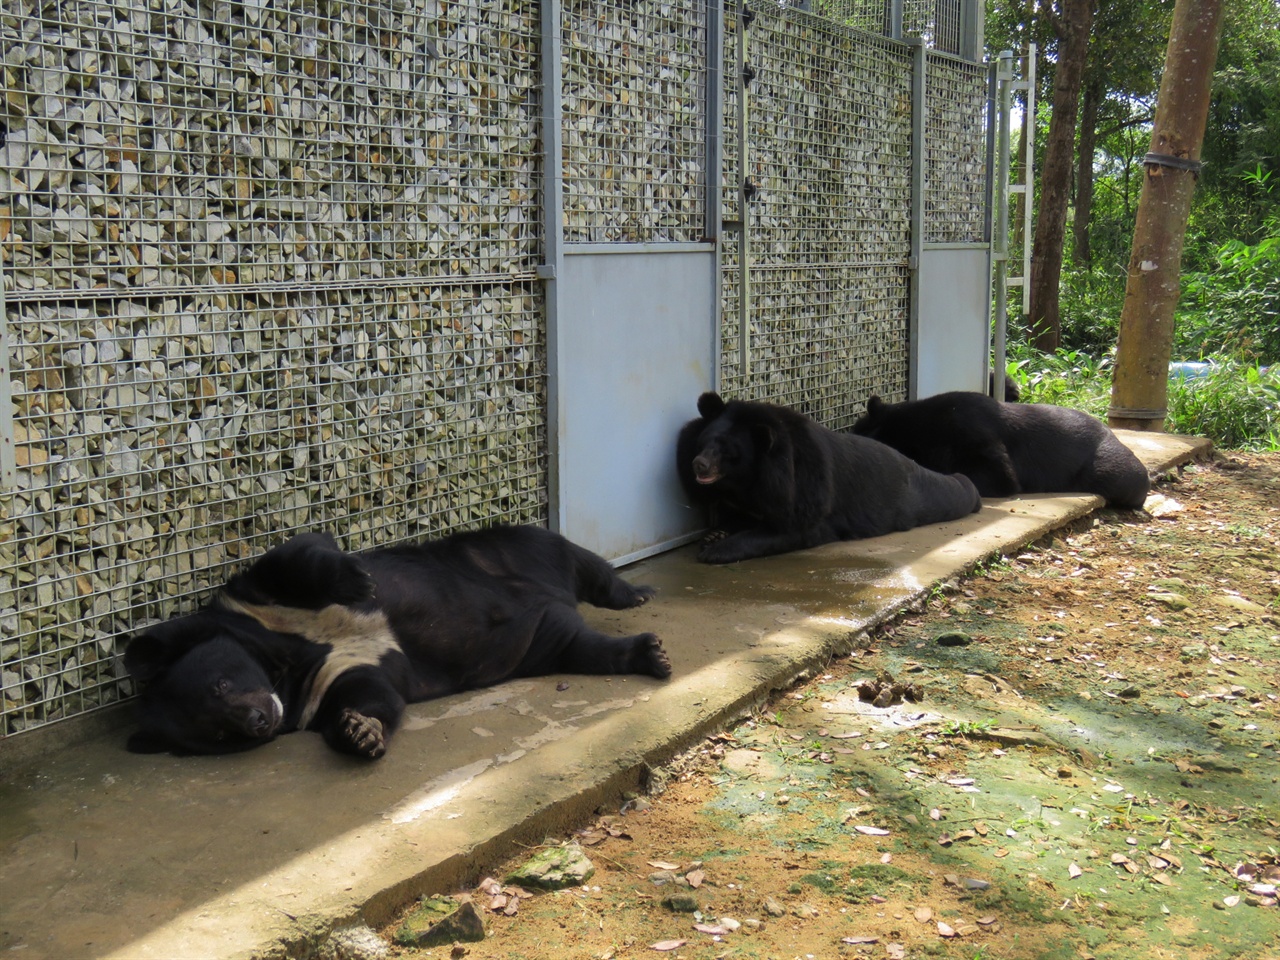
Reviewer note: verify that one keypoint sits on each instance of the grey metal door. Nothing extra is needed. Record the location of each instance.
(633, 263)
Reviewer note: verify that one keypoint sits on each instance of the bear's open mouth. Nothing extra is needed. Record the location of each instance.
(706, 477)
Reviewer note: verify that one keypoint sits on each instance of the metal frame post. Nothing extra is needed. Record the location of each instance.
(745, 188)
(1000, 239)
(553, 245)
(918, 118)
(713, 221)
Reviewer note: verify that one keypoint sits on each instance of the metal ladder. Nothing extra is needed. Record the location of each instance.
(1006, 77)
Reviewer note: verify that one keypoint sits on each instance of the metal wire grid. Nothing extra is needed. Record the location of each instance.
(937, 21)
(955, 151)
(634, 126)
(219, 337)
(829, 146)
(218, 144)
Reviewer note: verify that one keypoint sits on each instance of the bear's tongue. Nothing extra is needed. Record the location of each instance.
(707, 478)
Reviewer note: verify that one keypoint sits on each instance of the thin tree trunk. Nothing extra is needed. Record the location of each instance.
(1140, 387)
(1089, 107)
(1072, 27)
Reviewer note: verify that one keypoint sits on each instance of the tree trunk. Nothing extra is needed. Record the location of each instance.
(1089, 107)
(1140, 387)
(1072, 27)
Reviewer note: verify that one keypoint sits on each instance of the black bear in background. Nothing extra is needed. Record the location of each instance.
(1012, 392)
(310, 637)
(777, 481)
(1010, 448)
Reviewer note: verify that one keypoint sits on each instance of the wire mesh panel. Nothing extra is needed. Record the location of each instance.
(266, 268)
(828, 145)
(955, 151)
(634, 124)
(938, 22)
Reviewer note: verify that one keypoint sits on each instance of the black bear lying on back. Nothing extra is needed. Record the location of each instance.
(1009, 448)
(778, 481)
(312, 638)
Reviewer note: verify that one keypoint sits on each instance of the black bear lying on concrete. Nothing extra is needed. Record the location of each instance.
(312, 638)
(776, 481)
(1009, 448)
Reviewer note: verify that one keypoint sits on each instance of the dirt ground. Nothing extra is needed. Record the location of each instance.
(1091, 772)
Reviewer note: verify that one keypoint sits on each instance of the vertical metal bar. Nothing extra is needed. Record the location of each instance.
(553, 249)
(988, 215)
(1028, 166)
(971, 30)
(8, 453)
(893, 19)
(744, 206)
(715, 170)
(1000, 242)
(918, 118)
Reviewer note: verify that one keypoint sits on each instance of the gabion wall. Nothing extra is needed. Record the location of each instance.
(829, 148)
(274, 267)
(267, 267)
(635, 121)
(955, 195)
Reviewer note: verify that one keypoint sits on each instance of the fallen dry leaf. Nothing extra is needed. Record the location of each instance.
(924, 914)
(714, 929)
(945, 929)
(1074, 871)
(695, 878)
(872, 831)
(663, 865)
(668, 945)
(860, 940)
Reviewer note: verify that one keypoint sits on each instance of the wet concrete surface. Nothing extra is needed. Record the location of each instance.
(104, 853)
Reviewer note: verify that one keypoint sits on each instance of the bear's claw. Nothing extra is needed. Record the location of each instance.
(365, 734)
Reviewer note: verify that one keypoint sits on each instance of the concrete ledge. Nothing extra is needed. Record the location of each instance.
(110, 854)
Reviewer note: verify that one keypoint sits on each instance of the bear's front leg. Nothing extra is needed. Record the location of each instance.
(364, 736)
(360, 712)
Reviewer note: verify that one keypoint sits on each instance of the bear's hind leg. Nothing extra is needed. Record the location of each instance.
(564, 643)
(597, 583)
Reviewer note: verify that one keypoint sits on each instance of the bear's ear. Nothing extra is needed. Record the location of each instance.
(710, 405)
(874, 405)
(152, 653)
(764, 435)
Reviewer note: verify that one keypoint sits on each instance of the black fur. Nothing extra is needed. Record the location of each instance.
(1011, 448)
(312, 637)
(777, 481)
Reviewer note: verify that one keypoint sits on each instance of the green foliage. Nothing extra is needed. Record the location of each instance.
(1090, 302)
(1237, 405)
(1067, 378)
(1232, 308)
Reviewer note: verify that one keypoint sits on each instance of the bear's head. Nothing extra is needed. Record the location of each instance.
(730, 442)
(202, 692)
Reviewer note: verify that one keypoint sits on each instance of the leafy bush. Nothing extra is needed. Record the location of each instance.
(1234, 309)
(1231, 309)
(1236, 405)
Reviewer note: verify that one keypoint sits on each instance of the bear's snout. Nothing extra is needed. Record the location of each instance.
(705, 469)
